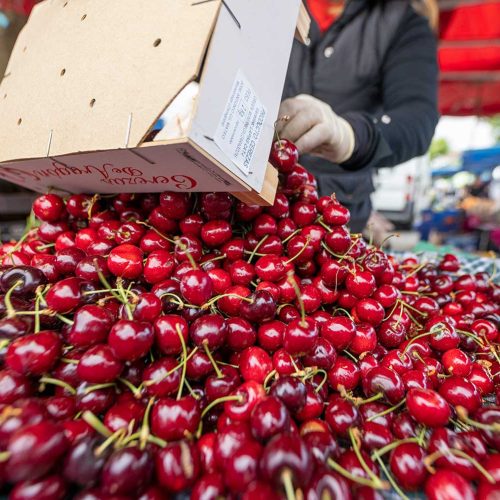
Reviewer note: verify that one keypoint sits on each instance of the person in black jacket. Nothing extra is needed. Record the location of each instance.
(362, 94)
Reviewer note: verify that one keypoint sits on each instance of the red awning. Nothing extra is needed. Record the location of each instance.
(469, 57)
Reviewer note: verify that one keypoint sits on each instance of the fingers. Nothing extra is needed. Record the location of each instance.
(312, 139)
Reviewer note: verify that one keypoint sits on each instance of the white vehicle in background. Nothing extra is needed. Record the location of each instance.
(401, 192)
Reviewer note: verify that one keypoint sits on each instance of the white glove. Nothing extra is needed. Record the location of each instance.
(315, 128)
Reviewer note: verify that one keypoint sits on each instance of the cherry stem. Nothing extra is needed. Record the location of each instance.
(212, 360)
(386, 411)
(106, 284)
(59, 383)
(213, 300)
(153, 381)
(4, 343)
(223, 399)
(159, 233)
(259, 244)
(430, 459)
(286, 479)
(121, 291)
(187, 253)
(322, 383)
(391, 479)
(115, 437)
(321, 222)
(350, 355)
(387, 238)
(411, 308)
(4, 456)
(96, 387)
(269, 376)
(183, 360)
(60, 317)
(136, 391)
(355, 479)
(341, 309)
(37, 314)
(336, 255)
(291, 280)
(144, 434)
(354, 436)
(463, 416)
(178, 300)
(11, 312)
(389, 447)
(416, 269)
(290, 236)
(471, 335)
(300, 252)
(95, 423)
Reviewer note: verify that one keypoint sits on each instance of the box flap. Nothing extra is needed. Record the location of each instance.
(90, 75)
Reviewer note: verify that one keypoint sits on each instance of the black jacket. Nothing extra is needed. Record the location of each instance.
(377, 67)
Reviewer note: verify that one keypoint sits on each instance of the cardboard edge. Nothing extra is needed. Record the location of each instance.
(267, 195)
(219, 165)
(194, 77)
(303, 25)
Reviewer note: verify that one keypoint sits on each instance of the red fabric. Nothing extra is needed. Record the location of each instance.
(323, 12)
(480, 21)
(465, 98)
(469, 58)
(22, 7)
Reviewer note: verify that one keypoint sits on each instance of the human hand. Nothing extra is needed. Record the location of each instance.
(315, 128)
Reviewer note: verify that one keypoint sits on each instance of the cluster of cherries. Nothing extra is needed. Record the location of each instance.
(158, 344)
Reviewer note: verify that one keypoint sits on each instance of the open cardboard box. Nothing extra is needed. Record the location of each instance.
(88, 80)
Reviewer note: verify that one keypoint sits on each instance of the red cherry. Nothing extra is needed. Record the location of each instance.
(428, 407)
(240, 334)
(251, 393)
(341, 416)
(172, 419)
(65, 295)
(269, 417)
(34, 354)
(407, 465)
(345, 373)
(33, 450)
(382, 380)
(242, 467)
(284, 155)
(125, 261)
(448, 485)
(99, 365)
(255, 364)
(361, 284)
(49, 207)
(370, 311)
(177, 466)
(339, 331)
(130, 340)
(300, 336)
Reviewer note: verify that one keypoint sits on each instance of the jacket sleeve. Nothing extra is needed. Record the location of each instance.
(404, 126)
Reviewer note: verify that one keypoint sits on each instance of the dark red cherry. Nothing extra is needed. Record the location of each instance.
(242, 467)
(130, 339)
(300, 336)
(341, 415)
(261, 308)
(99, 365)
(33, 450)
(291, 391)
(210, 329)
(177, 466)
(269, 417)
(339, 331)
(91, 325)
(48, 488)
(174, 419)
(196, 287)
(65, 295)
(286, 458)
(126, 470)
(382, 380)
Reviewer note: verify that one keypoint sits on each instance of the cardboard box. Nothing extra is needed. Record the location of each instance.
(88, 80)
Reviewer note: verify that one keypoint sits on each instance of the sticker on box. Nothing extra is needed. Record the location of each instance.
(241, 124)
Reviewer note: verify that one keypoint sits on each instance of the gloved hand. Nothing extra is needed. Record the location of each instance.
(315, 128)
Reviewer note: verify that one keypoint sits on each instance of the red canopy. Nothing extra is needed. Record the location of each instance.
(469, 57)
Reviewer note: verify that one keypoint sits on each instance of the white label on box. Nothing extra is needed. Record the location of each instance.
(241, 124)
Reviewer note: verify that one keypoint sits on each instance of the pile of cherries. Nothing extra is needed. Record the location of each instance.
(153, 345)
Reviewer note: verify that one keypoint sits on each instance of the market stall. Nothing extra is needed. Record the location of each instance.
(185, 316)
